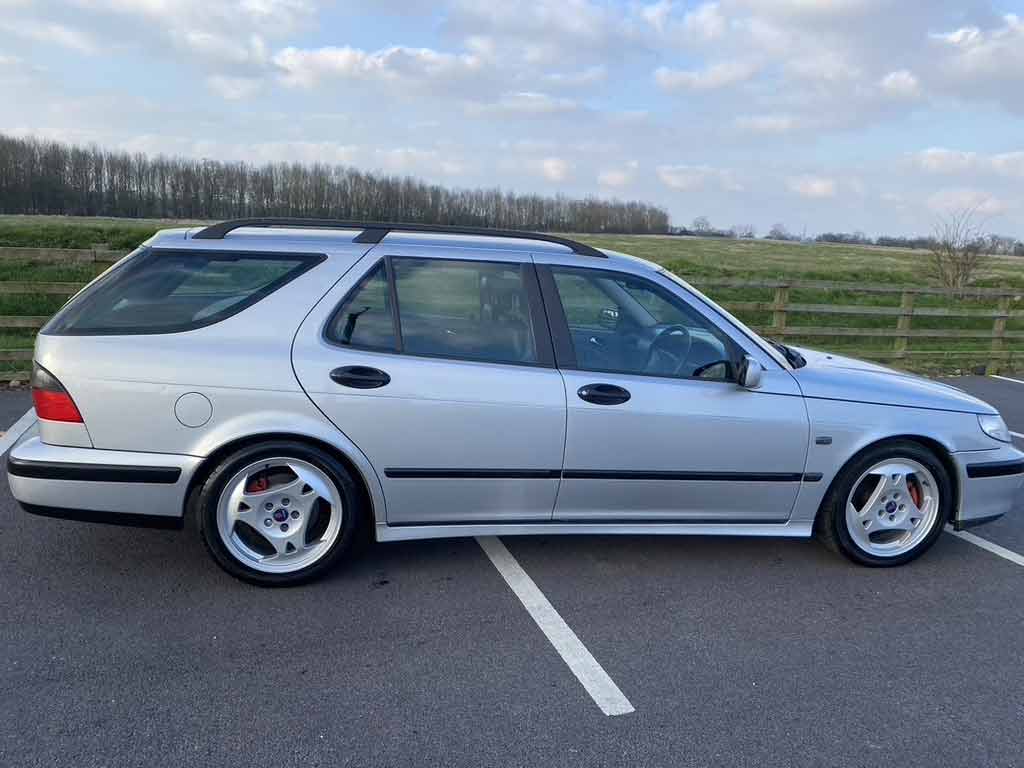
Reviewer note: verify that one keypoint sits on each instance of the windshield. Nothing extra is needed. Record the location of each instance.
(773, 348)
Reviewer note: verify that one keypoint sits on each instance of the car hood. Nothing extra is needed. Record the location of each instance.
(844, 378)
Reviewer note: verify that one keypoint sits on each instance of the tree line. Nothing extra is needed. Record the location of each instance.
(999, 245)
(49, 177)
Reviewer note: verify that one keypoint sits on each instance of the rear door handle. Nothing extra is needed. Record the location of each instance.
(603, 394)
(360, 377)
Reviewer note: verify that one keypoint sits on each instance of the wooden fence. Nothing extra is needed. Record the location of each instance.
(994, 340)
(781, 307)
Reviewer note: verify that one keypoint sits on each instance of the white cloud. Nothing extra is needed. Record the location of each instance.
(50, 32)
(939, 160)
(233, 88)
(716, 76)
(689, 178)
(554, 169)
(766, 124)
(589, 76)
(947, 201)
(812, 187)
(308, 67)
(525, 103)
(706, 22)
(618, 177)
(901, 84)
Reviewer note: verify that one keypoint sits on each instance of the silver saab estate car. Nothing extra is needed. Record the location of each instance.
(290, 383)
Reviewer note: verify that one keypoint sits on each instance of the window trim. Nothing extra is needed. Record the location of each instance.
(304, 263)
(351, 294)
(561, 334)
(538, 317)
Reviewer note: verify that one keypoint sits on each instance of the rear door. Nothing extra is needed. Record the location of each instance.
(657, 428)
(438, 364)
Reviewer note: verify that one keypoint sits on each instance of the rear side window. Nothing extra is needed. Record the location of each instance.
(450, 308)
(365, 320)
(161, 291)
(464, 309)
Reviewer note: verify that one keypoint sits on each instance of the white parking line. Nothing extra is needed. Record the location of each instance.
(17, 430)
(988, 546)
(595, 680)
(1005, 378)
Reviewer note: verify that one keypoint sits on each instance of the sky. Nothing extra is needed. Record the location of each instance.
(823, 115)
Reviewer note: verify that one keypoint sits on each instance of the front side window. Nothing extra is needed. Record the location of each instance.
(620, 323)
(465, 309)
(157, 291)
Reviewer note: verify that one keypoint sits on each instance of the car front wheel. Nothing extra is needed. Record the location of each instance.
(888, 505)
(278, 513)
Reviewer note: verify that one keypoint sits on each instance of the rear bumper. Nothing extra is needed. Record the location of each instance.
(990, 482)
(122, 487)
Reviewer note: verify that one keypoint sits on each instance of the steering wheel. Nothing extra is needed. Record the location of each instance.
(669, 350)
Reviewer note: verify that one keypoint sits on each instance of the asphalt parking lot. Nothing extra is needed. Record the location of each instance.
(130, 647)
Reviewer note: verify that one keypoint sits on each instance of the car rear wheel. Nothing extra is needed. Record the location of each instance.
(888, 505)
(278, 513)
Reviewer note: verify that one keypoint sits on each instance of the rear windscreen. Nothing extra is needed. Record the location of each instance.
(162, 291)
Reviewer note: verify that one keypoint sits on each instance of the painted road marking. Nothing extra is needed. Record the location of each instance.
(17, 430)
(592, 677)
(1006, 378)
(988, 546)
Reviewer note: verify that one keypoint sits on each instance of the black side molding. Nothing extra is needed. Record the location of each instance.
(995, 469)
(403, 473)
(97, 473)
(108, 518)
(472, 474)
(737, 477)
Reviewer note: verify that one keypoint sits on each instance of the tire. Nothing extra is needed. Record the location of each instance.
(255, 531)
(879, 504)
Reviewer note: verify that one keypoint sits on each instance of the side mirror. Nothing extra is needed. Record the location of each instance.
(609, 318)
(749, 373)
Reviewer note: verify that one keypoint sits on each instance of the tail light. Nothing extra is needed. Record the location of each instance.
(51, 400)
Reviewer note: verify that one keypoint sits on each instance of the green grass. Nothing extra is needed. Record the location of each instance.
(70, 232)
(696, 260)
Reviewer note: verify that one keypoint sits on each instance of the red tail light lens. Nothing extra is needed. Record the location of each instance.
(51, 400)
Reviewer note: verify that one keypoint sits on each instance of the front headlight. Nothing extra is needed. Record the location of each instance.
(995, 427)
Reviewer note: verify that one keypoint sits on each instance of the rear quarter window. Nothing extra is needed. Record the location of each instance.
(167, 291)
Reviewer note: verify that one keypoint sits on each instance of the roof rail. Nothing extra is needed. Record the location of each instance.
(374, 232)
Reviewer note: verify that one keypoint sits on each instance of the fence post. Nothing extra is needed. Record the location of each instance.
(779, 307)
(899, 347)
(998, 333)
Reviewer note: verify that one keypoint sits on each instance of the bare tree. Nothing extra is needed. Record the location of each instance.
(50, 177)
(959, 248)
(744, 231)
(779, 232)
(702, 224)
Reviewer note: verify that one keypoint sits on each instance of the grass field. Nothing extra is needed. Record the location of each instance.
(694, 259)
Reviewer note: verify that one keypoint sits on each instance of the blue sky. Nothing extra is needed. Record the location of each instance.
(873, 115)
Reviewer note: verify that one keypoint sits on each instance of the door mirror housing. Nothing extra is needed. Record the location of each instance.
(608, 318)
(748, 375)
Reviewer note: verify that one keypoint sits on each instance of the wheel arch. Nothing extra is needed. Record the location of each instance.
(363, 488)
(940, 450)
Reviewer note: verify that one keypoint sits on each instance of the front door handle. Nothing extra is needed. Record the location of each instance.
(603, 394)
(360, 377)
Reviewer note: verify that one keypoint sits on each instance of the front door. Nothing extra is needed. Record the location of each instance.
(439, 368)
(657, 428)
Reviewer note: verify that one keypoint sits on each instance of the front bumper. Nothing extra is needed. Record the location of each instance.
(990, 484)
(122, 487)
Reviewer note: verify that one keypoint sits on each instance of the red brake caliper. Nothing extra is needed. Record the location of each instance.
(257, 484)
(915, 492)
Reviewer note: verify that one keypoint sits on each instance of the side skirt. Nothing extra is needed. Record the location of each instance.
(791, 529)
